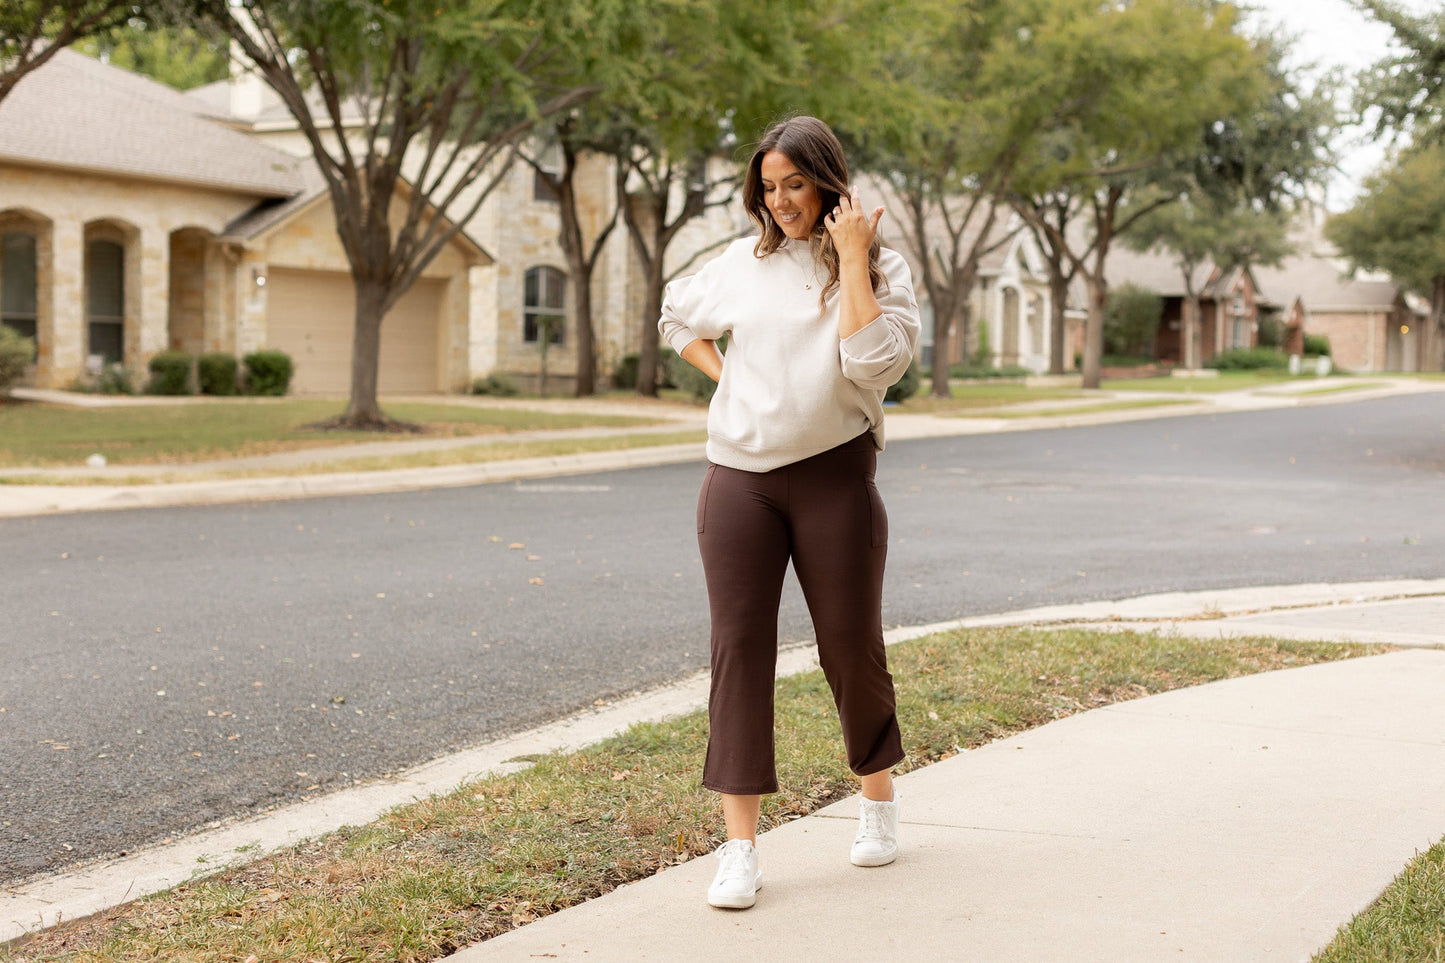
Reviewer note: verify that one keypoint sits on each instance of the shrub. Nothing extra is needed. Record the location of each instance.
(906, 387)
(496, 385)
(170, 374)
(1271, 331)
(1318, 344)
(1131, 320)
(268, 373)
(1249, 359)
(624, 376)
(16, 353)
(112, 379)
(216, 373)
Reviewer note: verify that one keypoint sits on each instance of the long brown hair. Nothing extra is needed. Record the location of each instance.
(815, 151)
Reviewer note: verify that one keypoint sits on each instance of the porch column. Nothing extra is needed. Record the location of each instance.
(155, 293)
(217, 329)
(66, 333)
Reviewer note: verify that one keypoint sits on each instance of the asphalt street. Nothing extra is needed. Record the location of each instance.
(170, 667)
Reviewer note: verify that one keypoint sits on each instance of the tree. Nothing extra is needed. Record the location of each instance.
(442, 93)
(1408, 88)
(943, 122)
(1397, 224)
(569, 138)
(1141, 81)
(714, 74)
(176, 56)
(1236, 197)
(31, 31)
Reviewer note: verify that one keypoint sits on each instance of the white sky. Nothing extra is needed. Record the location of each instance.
(1333, 34)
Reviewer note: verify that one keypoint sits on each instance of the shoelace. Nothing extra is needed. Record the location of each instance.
(872, 822)
(734, 861)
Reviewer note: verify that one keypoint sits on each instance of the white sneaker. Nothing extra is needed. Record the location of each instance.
(877, 841)
(738, 879)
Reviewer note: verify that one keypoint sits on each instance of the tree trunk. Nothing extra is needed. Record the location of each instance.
(647, 245)
(1430, 349)
(1190, 349)
(1058, 304)
(586, 338)
(942, 336)
(648, 361)
(1094, 329)
(363, 411)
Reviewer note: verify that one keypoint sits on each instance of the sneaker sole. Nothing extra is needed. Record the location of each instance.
(874, 860)
(737, 902)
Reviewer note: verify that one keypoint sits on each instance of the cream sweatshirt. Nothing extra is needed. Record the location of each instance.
(790, 387)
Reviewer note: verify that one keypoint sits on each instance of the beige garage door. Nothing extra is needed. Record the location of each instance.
(310, 316)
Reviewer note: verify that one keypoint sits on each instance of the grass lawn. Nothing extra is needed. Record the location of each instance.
(1407, 922)
(445, 872)
(1227, 381)
(972, 396)
(41, 435)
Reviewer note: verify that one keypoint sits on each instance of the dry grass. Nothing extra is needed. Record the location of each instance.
(441, 874)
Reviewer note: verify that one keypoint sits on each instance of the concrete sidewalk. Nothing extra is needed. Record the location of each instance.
(1242, 820)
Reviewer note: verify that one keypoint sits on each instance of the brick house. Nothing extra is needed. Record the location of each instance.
(1372, 322)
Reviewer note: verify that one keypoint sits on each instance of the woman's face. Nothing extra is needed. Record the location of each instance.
(790, 197)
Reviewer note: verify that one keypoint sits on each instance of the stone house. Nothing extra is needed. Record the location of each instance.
(522, 287)
(139, 224)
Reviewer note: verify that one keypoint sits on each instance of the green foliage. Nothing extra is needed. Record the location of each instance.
(1271, 331)
(1397, 223)
(216, 374)
(268, 373)
(495, 384)
(1131, 320)
(1406, 90)
(16, 354)
(1249, 359)
(906, 387)
(113, 379)
(32, 30)
(1317, 345)
(170, 374)
(624, 376)
(175, 56)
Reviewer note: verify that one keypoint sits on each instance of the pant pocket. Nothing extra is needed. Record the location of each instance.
(702, 498)
(878, 515)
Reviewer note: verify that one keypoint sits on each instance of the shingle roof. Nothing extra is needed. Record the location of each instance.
(76, 112)
(1155, 271)
(1325, 284)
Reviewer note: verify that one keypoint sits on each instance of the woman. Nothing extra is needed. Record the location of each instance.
(822, 321)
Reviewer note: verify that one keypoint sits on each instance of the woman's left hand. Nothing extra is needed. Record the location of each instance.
(850, 227)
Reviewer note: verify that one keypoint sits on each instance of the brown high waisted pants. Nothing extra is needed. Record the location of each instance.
(825, 514)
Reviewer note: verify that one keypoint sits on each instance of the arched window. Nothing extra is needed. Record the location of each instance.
(544, 304)
(18, 283)
(105, 287)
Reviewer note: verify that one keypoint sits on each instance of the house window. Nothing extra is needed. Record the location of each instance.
(545, 304)
(17, 283)
(105, 285)
(542, 186)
